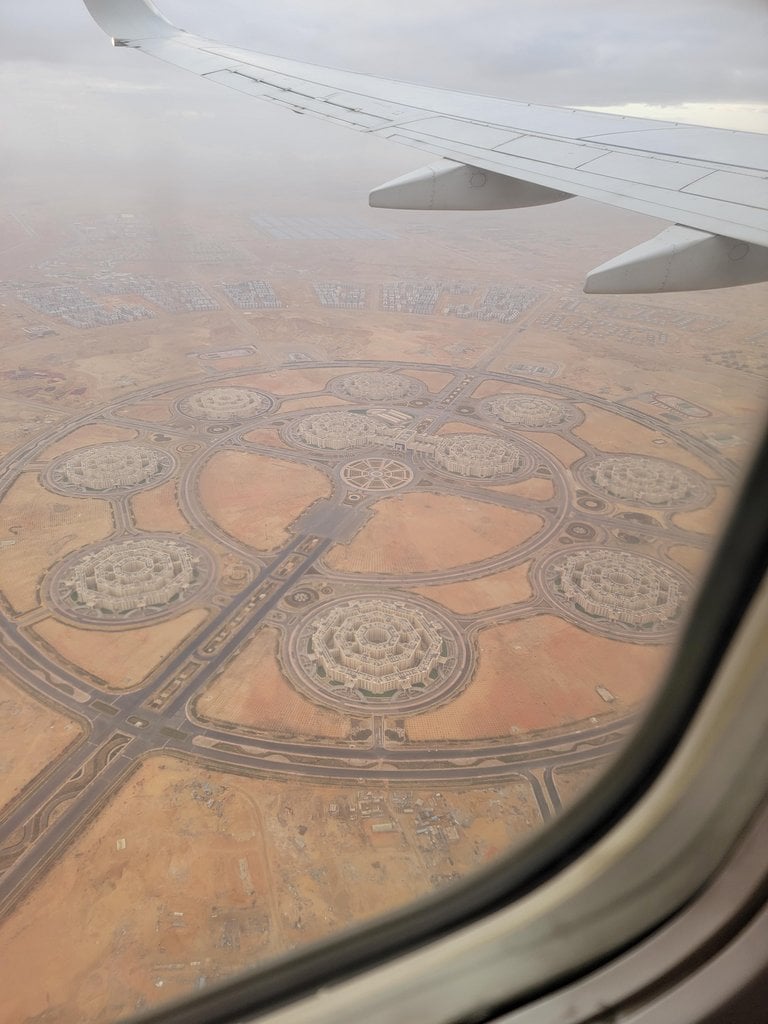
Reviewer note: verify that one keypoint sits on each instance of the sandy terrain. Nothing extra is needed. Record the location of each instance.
(220, 872)
(611, 433)
(541, 673)
(253, 692)
(154, 412)
(435, 381)
(502, 588)
(85, 436)
(256, 498)
(459, 427)
(268, 436)
(573, 781)
(158, 511)
(695, 560)
(19, 423)
(710, 520)
(122, 659)
(45, 527)
(536, 488)
(287, 382)
(417, 532)
(563, 450)
(32, 736)
(319, 402)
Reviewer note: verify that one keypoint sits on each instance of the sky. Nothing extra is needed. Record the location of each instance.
(75, 110)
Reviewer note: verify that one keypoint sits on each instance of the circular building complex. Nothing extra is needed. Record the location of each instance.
(221, 404)
(368, 649)
(622, 592)
(110, 469)
(377, 387)
(644, 481)
(481, 456)
(530, 412)
(130, 579)
(335, 431)
(376, 474)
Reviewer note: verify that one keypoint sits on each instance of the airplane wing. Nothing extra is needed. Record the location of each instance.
(712, 184)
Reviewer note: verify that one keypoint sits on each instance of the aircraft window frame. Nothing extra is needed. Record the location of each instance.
(727, 590)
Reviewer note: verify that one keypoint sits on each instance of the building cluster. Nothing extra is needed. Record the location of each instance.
(377, 387)
(252, 295)
(598, 328)
(478, 455)
(618, 586)
(171, 296)
(338, 431)
(377, 646)
(110, 467)
(502, 305)
(130, 576)
(411, 297)
(223, 404)
(636, 478)
(341, 295)
(77, 309)
(431, 819)
(532, 412)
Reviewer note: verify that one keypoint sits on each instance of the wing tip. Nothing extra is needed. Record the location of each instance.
(126, 20)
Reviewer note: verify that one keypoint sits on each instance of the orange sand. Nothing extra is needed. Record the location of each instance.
(536, 488)
(122, 659)
(45, 528)
(541, 673)
(693, 559)
(611, 433)
(294, 404)
(85, 436)
(266, 436)
(420, 532)
(255, 498)
(153, 412)
(288, 382)
(462, 428)
(31, 737)
(252, 691)
(563, 450)
(157, 510)
(710, 520)
(503, 588)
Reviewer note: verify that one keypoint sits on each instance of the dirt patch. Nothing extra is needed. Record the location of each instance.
(693, 559)
(296, 404)
(573, 781)
(420, 532)
(32, 736)
(563, 450)
(267, 436)
(435, 381)
(123, 659)
(463, 428)
(709, 520)
(252, 691)
(85, 436)
(255, 498)
(192, 874)
(43, 527)
(288, 382)
(541, 673)
(158, 510)
(536, 489)
(611, 433)
(502, 588)
(154, 412)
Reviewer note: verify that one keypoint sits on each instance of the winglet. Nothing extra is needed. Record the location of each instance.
(680, 259)
(128, 20)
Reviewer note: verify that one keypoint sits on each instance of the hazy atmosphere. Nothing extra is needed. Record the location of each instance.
(340, 548)
(67, 96)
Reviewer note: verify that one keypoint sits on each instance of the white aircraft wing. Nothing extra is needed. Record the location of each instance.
(712, 184)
